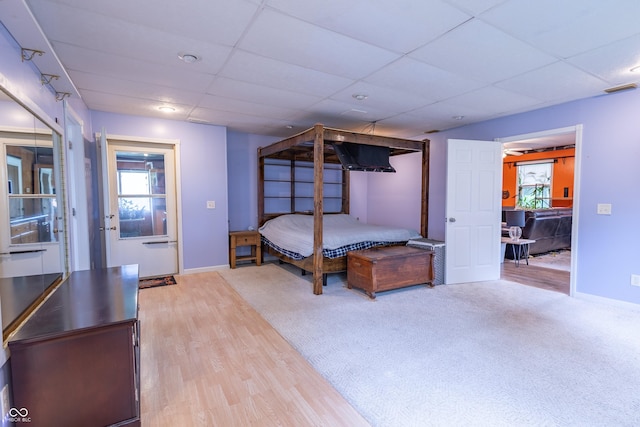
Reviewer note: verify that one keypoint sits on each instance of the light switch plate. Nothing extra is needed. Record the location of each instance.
(211, 204)
(604, 208)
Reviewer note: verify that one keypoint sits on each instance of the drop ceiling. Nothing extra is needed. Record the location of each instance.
(275, 67)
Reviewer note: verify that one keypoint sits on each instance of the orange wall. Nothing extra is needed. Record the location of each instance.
(562, 176)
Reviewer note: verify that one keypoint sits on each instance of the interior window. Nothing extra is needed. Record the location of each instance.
(141, 194)
(534, 185)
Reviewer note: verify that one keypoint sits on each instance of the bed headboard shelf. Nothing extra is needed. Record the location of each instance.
(314, 148)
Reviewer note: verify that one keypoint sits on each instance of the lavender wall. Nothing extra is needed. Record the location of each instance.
(607, 253)
(394, 198)
(203, 168)
(23, 80)
(242, 162)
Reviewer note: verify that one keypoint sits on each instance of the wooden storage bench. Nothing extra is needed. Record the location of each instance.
(388, 267)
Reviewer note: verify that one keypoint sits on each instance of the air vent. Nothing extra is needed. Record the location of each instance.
(621, 88)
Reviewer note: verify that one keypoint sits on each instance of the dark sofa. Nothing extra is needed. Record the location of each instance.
(550, 228)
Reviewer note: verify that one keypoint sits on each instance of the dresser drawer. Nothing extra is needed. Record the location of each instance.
(246, 240)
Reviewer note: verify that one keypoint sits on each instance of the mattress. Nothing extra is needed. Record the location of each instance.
(293, 234)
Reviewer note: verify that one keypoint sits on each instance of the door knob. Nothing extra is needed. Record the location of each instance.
(452, 220)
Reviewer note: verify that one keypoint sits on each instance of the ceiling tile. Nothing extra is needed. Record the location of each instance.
(248, 67)
(103, 64)
(122, 38)
(612, 62)
(442, 116)
(131, 105)
(142, 90)
(555, 82)
(296, 42)
(219, 103)
(416, 77)
(386, 101)
(250, 92)
(481, 52)
(400, 25)
(475, 7)
(567, 28)
(501, 101)
(196, 19)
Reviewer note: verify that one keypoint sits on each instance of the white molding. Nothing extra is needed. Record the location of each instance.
(577, 129)
(606, 301)
(210, 269)
(575, 217)
(127, 138)
(540, 134)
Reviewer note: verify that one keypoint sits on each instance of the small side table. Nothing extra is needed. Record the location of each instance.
(244, 238)
(523, 248)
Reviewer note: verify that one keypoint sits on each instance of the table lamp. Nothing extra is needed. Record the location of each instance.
(515, 220)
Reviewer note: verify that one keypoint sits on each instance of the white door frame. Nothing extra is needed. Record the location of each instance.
(577, 129)
(142, 140)
(77, 193)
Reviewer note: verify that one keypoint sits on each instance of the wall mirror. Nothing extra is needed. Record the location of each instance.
(32, 226)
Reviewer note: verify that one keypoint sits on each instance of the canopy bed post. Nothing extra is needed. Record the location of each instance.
(345, 191)
(424, 206)
(318, 178)
(261, 217)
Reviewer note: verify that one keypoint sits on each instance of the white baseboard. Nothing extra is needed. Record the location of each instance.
(206, 269)
(608, 301)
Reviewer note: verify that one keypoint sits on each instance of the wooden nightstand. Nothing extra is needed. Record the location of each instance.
(244, 238)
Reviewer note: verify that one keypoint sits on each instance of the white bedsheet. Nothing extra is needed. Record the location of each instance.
(295, 232)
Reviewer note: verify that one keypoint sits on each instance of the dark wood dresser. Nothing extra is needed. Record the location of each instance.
(19, 296)
(75, 362)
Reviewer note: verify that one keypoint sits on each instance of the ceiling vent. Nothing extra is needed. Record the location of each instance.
(621, 88)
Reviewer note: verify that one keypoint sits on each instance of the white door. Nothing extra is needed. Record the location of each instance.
(473, 211)
(140, 220)
(32, 218)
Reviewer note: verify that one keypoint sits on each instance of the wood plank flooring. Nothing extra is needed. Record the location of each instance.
(209, 359)
(540, 277)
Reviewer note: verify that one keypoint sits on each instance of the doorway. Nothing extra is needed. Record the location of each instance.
(554, 274)
(141, 215)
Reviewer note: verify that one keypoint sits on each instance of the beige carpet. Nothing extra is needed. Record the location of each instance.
(481, 354)
(557, 260)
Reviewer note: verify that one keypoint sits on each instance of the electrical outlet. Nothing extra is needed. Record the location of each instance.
(604, 208)
(635, 280)
(211, 204)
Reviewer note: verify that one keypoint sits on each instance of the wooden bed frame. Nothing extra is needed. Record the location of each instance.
(315, 145)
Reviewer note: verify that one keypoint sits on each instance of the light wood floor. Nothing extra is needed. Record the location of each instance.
(540, 277)
(209, 359)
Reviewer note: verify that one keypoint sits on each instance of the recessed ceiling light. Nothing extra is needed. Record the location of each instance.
(189, 58)
(457, 117)
(360, 96)
(166, 109)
